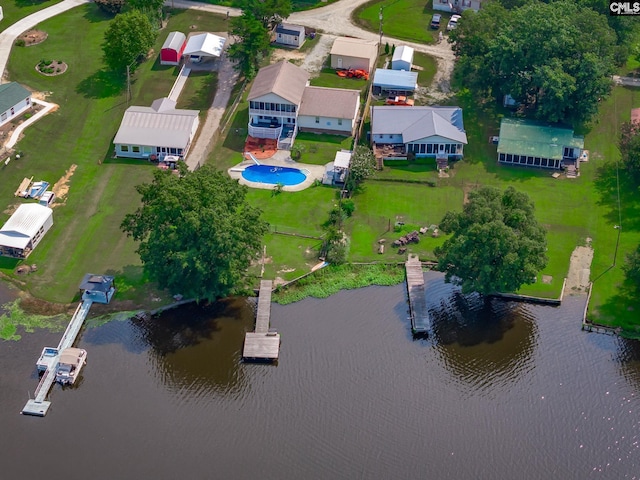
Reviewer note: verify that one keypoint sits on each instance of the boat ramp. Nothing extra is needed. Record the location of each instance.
(95, 288)
(262, 344)
(417, 301)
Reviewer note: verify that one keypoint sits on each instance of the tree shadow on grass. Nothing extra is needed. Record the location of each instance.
(606, 185)
(30, 3)
(102, 84)
(621, 310)
(95, 14)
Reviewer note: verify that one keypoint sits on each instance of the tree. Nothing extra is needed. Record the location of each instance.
(110, 6)
(197, 232)
(362, 166)
(629, 145)
(268, 12)
(554, 59)
(151, 8)
(252, 41)
(496, 244)
(631, 269)
(128, 39)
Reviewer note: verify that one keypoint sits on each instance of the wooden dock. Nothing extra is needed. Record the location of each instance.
(417, 301)
(261, 344)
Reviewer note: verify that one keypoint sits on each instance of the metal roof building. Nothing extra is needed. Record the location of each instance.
(24, 230)
(416, 123)
(204, 45)
(394, 81)
(402, 58)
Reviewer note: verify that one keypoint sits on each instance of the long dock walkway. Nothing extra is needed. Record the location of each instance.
(39, 405)
(417, 302)
(261, 344)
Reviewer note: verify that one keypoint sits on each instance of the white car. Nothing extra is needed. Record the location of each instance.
(453, 22)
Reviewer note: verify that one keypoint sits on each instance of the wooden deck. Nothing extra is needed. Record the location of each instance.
(262, 344)
(417, 301)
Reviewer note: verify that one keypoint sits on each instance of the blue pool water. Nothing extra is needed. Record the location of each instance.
(273, 175)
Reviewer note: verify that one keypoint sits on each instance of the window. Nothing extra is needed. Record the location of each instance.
(12, 111)
(3, 117)
(124, 148)
(179, 151)
(28, 101)
(280, 35)
(501, 157)
(146, 150)
(339, 121)
(509, 157)
(173, 151)
(135, 149)
(317, 119)
(429, 148)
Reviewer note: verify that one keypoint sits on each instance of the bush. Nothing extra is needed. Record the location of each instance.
(20, 42)
(296, 151)
(348, 207)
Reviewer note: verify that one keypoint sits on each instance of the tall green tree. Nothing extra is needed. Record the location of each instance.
(251, 44)
(629, 145)
(197, 232)
(555, 59)
(268, 12)
(362, 166)
(496, 244)
(631, 269)
(151, 8)
(127, 40)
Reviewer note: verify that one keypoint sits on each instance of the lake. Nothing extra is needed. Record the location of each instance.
(501, 390)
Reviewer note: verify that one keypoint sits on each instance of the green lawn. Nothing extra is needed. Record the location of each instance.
(403, 19)
(14, 10)
(320, 149)
(328, 78)
(86, 236)
(429, 68)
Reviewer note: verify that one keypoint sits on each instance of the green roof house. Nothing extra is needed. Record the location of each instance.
(14, 99)
(524, 142)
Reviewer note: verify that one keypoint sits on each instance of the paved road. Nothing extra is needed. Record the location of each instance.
(9, 36)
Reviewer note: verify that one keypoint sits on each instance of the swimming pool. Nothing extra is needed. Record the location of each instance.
(273, 175)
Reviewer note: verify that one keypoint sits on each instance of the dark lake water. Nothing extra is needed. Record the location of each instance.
(502, 390)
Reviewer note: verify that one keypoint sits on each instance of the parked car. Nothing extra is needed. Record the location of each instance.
(453, 22)
(435, 21)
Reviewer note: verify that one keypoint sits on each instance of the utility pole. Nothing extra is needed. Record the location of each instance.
(380, 31)
(128, 85)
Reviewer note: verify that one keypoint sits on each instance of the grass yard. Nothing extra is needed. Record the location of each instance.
(429, 68)
(86, 235)
(321, 148)
(14, 10)
(328, 78)
(403, 19)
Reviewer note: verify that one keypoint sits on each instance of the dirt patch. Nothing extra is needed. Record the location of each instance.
(547, 279)
(466, 188)
(11, 209)
(287, 54)
(579, 270)
(32, 37)
(61, 187)
(51, 68)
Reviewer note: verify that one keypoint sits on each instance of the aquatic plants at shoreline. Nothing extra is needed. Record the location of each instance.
(16, 317)
(329, 280)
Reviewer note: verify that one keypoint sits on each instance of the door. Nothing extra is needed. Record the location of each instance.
(441, 148)
(339, 62)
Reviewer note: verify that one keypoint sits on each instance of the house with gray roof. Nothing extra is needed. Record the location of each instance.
(14, 100)
(290, 35)
(398, 132)
(535, 144)
(155, 132)
(329, 110)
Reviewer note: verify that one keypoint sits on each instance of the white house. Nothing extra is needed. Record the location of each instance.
(402, 58)
(290, 35)
(329, 110)
(203, 46)
(457, 6)
(156, 131)
(14, 100)
(398, 131)
(24, 230)
(347, 52)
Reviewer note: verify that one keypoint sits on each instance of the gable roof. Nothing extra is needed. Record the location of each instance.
(403, 53)
(283, 79)
(329, 102)
(415, 123)
(290, 29)
(24, 224)
(535, 139)
(161, 124)
(395, 79)
(174, 41)
(11, 94)
(205, 45)
(354, 47)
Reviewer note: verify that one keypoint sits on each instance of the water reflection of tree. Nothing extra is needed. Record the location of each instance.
(483, 341)
(198, 347)
(628, 356)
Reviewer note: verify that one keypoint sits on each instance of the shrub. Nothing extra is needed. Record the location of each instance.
(296, 151)
(20, 42)
(348, 207)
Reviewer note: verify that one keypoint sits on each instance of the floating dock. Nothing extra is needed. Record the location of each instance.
(262, 344)
(95, 288)
(417, 302)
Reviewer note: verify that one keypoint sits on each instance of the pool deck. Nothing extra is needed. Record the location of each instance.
(282, 158)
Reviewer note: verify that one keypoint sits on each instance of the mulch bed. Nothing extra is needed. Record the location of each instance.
(33, 37)
(57, 66)
(261, 148)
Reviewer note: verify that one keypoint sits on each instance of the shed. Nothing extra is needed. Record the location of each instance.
(98, 288)
(348, 52)
(290, 35)
(402, 58)
(204, 45)
(24, 230)
(172, 49)
(14, 99)
(394, 81)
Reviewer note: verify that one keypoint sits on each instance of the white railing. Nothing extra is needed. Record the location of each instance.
(265, 132)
